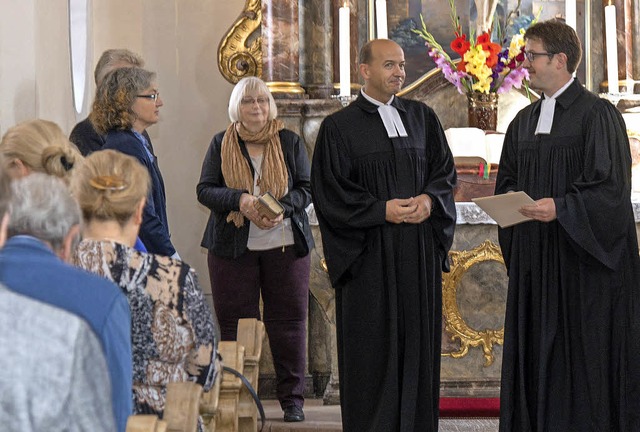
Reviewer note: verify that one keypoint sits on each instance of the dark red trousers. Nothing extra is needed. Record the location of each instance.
(283, 280)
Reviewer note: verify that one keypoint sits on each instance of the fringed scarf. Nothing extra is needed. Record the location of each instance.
(235, 167)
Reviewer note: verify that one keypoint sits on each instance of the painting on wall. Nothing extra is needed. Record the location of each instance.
(509, 17)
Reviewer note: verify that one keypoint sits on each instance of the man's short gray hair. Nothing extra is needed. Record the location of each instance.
(113, 59)
(42, 207)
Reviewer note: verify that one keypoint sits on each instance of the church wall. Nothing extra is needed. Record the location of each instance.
(178, 39)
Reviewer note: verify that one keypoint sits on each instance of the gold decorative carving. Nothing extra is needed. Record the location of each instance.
(323, 265)
(240, 55)
(455, 324)
(285, 87)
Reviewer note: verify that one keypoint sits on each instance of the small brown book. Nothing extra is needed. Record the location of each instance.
(267, 205)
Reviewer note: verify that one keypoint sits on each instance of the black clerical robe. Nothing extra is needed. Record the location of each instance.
(570, 360)
(387, 276)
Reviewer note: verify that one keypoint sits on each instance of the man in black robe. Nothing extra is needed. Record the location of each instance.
(570, 360)
(382, 182)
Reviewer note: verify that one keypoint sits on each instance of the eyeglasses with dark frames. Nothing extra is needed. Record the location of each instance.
(531, 55)
(153, 96)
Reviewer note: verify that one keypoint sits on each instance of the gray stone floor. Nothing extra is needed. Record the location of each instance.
(321, 418)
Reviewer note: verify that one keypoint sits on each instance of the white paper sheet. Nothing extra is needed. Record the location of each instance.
(504, 208)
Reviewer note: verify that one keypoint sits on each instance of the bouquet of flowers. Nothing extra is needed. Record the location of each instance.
(485, 66)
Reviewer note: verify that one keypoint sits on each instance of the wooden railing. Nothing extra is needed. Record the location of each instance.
(228, 406)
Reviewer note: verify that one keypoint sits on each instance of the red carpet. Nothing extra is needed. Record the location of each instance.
(469, 407)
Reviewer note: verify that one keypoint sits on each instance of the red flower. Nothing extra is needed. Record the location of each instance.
(460, 45)
(492, 60)
(493, 48)
(483, 38)
(462, 66)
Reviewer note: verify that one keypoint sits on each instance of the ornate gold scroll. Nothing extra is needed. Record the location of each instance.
(455, 324)
(239, 55)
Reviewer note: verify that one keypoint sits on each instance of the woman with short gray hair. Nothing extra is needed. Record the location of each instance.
(251, 253)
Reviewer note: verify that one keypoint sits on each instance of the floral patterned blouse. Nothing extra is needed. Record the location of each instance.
(174, 332)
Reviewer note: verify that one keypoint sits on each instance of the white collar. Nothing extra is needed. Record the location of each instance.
(389, 115)
(548, 109)
(561, 89)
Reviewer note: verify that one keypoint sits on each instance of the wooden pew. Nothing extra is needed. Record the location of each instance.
(228, 406)
(145, 423)
(182, 406)
(250, 335)
(226, 417)
(209, 404)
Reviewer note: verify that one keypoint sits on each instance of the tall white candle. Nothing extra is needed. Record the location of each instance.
(381, 19)
(345, 51)
(570, 13)
(612, 48)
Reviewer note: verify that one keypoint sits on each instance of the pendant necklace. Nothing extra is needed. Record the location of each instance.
(257, 170)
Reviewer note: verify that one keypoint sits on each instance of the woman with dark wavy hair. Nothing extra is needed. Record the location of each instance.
(127, 102)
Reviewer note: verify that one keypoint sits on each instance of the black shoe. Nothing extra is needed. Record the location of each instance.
(293, 414)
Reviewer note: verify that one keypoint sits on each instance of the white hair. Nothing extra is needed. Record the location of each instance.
(245, 86)
(43, 207)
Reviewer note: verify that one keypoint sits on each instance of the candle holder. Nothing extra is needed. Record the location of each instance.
(344, 100)
(615, 98)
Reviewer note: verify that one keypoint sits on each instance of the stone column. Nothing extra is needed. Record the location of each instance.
(280, 48)
(316, 58)
(625, 32)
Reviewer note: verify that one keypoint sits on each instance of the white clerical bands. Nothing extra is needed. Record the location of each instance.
(392, 121)
(547, 109)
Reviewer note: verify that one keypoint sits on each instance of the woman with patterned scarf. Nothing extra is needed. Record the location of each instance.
(252, 255)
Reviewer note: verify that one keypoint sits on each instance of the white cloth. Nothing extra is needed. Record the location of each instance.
(548, 109)
(545, 120)
(390, 117)
(280, 235)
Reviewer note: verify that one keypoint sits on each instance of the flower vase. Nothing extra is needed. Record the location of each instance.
(483, 110)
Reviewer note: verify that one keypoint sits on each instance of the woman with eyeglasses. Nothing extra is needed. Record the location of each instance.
(127, 102)
(252, 255)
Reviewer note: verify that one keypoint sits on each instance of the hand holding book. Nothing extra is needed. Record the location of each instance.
(268, 206)
(253, 210)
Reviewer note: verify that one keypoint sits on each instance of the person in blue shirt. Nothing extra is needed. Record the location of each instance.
(43, 230)
(42, 346)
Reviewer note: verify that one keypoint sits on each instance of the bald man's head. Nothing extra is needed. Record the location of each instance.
(382, 68)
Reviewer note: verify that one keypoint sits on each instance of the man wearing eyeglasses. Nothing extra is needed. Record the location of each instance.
(570, 360)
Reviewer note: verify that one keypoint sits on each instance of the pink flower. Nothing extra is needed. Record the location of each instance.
(454, 77)
(513, 79)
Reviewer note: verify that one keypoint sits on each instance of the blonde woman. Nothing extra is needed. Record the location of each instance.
(39, 146)
(174, 332)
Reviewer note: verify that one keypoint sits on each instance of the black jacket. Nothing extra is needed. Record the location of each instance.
(222, 238)
(85, 137)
